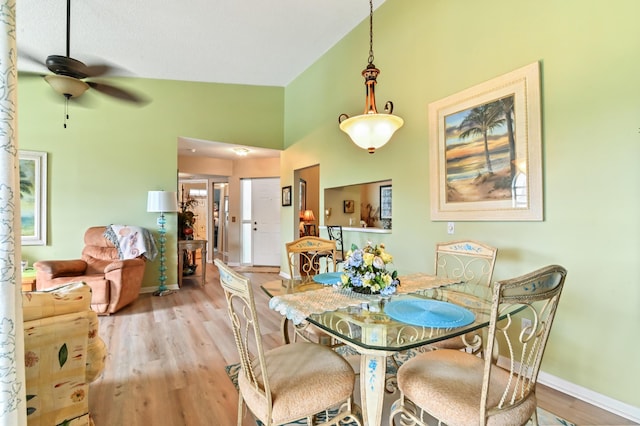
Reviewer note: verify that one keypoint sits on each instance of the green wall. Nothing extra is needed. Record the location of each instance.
(102, 165)
(427, 50)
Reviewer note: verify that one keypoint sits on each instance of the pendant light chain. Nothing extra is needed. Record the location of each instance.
(370, 32)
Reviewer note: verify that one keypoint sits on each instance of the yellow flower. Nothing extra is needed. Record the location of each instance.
(344, 278)
(386, 257)
(367, 258)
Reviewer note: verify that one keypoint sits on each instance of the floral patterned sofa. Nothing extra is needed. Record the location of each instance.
(63, 354)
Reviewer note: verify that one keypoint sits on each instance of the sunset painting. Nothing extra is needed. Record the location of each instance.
(480, 152)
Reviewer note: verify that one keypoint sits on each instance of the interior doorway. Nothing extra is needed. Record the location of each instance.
(194, 194)
(307, 199)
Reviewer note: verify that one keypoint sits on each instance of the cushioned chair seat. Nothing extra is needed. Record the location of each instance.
(330, 379)
(449, 384)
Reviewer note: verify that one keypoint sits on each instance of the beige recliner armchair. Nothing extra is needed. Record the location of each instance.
(114, 282)
(63, 354)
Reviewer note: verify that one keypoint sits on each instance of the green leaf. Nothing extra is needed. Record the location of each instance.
(63, 354)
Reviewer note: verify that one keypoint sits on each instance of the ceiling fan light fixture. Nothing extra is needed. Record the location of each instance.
(69, 87)
(371, 130)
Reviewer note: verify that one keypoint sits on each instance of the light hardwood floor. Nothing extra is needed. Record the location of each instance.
(166, 359)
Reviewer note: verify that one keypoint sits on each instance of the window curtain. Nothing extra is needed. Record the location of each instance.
(12, 378)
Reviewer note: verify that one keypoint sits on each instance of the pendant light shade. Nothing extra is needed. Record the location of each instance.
(371, 130)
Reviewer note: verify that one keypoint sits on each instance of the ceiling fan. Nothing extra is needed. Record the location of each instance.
(69, 74)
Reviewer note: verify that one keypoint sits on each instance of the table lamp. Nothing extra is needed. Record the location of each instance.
(162, 202)
(308, 218)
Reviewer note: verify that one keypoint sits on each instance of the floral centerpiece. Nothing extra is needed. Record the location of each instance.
(365, 271)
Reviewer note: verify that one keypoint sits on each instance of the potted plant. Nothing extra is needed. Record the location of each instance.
(186, 219)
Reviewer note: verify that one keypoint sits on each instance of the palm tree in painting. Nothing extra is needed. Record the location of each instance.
(26, 186)
(481, 121)
(506, 106)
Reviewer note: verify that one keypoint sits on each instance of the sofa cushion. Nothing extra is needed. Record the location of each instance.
(72, 297)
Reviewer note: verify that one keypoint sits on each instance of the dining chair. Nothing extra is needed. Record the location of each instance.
(458, 388)
(309, 256)
(469, 261)
(295, 381)
(335, 233)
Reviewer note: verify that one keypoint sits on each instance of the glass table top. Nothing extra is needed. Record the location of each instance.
(368, 326)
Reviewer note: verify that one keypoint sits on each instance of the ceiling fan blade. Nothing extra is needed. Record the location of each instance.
(29, 61)
(99, 70)
(118, 93)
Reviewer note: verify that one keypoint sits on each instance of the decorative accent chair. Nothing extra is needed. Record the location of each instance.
(335, 233)
(459, 388)
(114, 282)
(472, 262)
(63, 354)
(291, 382)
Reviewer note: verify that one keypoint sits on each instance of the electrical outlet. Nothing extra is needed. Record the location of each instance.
(526, 323)
(451, 227)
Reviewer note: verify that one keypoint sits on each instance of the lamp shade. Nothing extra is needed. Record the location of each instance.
(371, 131)
(162, 202)
(308, 216)
(67, 86)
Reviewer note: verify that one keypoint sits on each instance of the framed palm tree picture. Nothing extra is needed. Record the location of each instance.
(485, 150)
(33, 197)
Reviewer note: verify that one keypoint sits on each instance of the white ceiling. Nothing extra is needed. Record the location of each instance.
(254, 42)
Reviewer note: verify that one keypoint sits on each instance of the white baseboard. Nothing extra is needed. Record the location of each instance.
(614, 406)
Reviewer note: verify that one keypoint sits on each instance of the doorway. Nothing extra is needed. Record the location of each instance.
(260, 226)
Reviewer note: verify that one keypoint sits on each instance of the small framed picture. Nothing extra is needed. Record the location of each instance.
(286, 195)
(349, 206)
(385, 201)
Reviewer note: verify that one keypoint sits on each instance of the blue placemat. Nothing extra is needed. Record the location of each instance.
(429, 313)
(328, 278)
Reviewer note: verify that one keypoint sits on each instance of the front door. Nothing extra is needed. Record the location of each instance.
(265, 201)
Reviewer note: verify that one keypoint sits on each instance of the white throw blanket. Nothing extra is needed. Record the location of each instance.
(132, 241)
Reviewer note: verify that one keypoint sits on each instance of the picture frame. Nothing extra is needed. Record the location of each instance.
(286, 196)
(349, 206)
(303, 195)
(386, 201)
(481, 172)
(33, 197)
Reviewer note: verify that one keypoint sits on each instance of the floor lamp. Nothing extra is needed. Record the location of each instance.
(162, 202)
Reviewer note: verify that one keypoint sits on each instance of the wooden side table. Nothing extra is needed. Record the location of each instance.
(190, 247)
(29, 280)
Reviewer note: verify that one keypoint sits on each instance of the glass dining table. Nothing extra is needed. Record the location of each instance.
(367, 324)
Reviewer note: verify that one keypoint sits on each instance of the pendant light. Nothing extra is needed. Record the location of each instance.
(371, 130)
